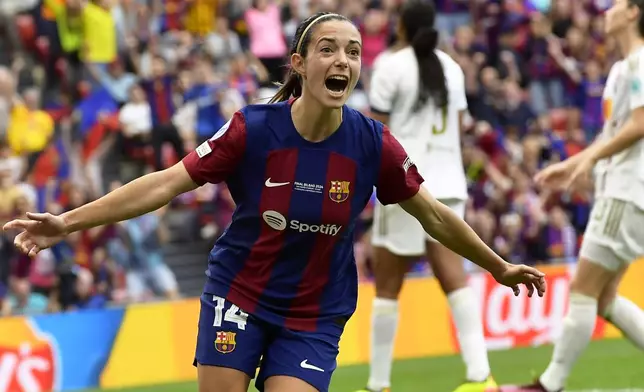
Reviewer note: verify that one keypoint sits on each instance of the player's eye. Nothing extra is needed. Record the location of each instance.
(354, 52)
(326, 49)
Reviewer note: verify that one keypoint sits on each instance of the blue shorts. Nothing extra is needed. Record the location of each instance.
(233, 339)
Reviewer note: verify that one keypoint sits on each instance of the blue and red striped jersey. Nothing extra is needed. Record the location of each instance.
(287, 256)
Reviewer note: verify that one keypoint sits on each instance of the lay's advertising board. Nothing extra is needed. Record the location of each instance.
(154, 343)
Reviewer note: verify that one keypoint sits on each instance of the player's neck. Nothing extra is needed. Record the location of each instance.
(313, 122)
(629, 42)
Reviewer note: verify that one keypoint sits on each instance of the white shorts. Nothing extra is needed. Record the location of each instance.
(614, 235)
(400, 233)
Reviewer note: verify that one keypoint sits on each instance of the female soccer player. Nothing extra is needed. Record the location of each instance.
(614, 237)
(281, 281)
(419, 92)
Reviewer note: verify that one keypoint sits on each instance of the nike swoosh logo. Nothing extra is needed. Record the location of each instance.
(306, 365)
(270, 184)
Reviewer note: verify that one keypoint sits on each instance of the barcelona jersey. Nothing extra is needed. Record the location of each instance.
(287, 256)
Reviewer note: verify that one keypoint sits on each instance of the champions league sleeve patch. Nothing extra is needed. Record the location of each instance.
(407, 163)
(204, 149)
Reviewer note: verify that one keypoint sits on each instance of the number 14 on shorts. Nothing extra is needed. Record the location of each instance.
(232, 315)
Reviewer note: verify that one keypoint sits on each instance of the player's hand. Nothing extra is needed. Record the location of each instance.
(38, 232)
(515, 275)
(555, 176)
(580, 173)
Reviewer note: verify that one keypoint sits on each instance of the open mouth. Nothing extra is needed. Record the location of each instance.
(336, 84)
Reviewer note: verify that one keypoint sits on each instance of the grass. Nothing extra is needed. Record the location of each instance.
(606, 365)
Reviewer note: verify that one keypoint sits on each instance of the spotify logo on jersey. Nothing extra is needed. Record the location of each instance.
(274, 220)
(277, 221)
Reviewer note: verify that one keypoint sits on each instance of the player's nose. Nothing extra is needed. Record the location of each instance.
(341, 60)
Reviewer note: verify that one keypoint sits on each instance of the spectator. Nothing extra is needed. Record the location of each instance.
(139, 251)
(114, 79)
(7, 94)
(159, 91)
(200, 17)
(30, 128)
(99, 33)
(10, 195)
(22, 301)
(266, 39)
(451, 15)
(591, 90)
(222, 44)
(546, 89)
(69, 21)
(516, 114)
(205, 93)
(9, 11)
(135, 120)
(84, 292)
(560, 238)
(508, 242)
(245, 79)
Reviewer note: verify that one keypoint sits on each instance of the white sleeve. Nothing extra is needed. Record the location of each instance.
(383, 87)
(636, 80)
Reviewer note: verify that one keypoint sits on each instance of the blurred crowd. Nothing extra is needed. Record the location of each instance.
(94, 93)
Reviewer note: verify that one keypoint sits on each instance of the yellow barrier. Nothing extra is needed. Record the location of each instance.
(156, 342)
(155, 345)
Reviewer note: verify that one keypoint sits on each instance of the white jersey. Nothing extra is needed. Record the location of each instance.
(622, 175)
(430, 135)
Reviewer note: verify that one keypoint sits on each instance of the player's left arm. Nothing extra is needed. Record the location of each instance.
(440, 222)
(399, 182)
(633, 130)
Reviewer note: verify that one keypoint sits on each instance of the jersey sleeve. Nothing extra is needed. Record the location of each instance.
(398, 179)
(382, 90)
(215, 159)
(636, 79)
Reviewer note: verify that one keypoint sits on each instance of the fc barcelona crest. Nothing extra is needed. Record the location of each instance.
(339, 191)
(225, 342)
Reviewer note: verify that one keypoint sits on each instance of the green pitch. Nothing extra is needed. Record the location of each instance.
(606, 365)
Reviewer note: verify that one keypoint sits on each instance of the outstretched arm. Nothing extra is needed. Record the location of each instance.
(399, 182)
(440, 222)
(146, 194)
(449, 229)
(143, 195)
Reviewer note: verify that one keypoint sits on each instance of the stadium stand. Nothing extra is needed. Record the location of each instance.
(87, 106)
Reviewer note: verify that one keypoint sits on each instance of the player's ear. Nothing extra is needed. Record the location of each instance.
(297, 64)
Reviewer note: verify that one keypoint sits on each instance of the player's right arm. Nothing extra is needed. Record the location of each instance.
(213, 162)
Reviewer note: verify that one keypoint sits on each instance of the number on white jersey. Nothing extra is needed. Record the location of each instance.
(232, 315)
(443, 128)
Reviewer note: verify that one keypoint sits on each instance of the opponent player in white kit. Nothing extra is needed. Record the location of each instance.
(420, 93)
(614, 236)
